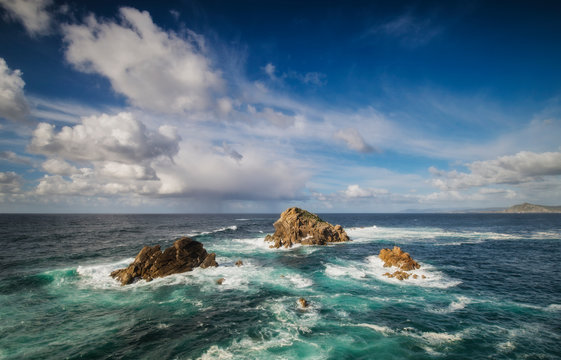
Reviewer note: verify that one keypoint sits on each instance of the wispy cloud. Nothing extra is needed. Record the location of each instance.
(409, 29)
(32, 14)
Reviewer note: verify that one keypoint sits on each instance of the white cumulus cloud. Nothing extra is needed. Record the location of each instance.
(13, 105)
(119, 138)
(154, 69)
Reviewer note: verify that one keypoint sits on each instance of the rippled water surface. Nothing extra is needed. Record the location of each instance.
(492, 289)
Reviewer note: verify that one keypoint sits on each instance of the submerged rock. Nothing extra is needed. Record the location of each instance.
(400, 259)
(239, 263)
(297, 226)
(303, 303)
(185, 255)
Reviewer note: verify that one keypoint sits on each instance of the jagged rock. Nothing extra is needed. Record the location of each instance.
(185, 255)
(220, 281)
(239, 263)
(303, 303)
(399, 275)
(398, 258)
(297, 226)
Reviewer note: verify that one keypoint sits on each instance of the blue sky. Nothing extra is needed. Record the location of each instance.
(246, 106)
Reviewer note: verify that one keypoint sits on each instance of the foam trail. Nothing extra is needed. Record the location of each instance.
(97, 276)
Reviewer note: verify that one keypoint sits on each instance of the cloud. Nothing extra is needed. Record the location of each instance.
(270, 70)
(118, 138)
(31, 13)
(410, 30)
(354, 140)
(355, 191)
(15, 158)
(309, 78)
(13, 105)
(154, 69)
(10, 182)
(59, 167)
(523, 167)
(276, 118)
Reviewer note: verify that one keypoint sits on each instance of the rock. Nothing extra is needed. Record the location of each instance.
(399, 275)
(303, 303)
(150, 263)
(239, 263)
(398, 258)
(220, 281)
(401, 260)
(297, 226)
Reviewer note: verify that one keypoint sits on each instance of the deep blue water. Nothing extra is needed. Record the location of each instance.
(492, 289)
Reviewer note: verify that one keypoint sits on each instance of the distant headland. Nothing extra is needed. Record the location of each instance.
(532, 208)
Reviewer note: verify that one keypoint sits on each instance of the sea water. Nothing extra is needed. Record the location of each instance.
(492, 289)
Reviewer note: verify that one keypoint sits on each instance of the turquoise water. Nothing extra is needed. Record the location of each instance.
(492, 289)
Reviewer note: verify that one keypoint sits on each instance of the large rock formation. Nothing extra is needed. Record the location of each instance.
(400, 259)
(185, 255)
(297, 226)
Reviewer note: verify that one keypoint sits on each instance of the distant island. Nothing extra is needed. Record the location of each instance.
(532, 208)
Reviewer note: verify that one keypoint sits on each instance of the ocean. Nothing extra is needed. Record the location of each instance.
(492, 289)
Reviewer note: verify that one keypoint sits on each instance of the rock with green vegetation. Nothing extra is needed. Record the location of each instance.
(297, 226)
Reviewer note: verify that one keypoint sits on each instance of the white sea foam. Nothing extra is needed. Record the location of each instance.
(433, 278)
(337, 271)
(458, 304)
(430, 337)
(553, 307)
(243, 219)
(97, 276)
(438, 236)
(226, 228)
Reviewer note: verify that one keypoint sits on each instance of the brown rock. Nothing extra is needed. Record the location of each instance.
(399, 275)
(303, 303)
(415, 276)
(297, 226)
(150, 263)
(220, 281)
(398, 258)
(239, 263)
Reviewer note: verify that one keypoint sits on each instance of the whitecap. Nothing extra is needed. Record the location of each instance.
(433, 278)
(98, 276)
(337, 271)
(459, 304)
(430, 337)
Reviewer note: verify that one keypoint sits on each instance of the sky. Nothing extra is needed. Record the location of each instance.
(254, 106)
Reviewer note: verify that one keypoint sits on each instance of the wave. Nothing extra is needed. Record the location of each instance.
(430, 337)
(439, 236)
(290, 322)
(222, 229)
(458, 304)
(374, 267)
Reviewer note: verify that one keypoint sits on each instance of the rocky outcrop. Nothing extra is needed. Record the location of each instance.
(400, 259)
(185, 255)
(239, 263)
(297, 226)
(303, 303)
